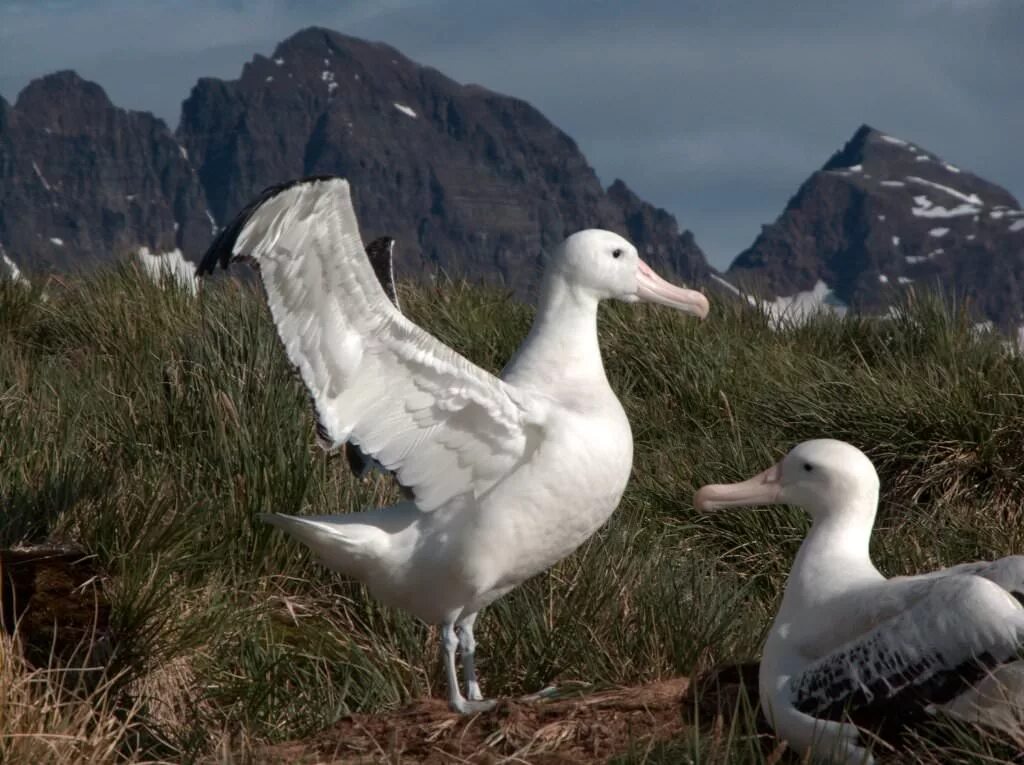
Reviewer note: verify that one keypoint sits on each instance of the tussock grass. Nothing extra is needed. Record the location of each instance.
(150, 428)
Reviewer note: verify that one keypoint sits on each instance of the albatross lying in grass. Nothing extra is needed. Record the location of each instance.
(848, 643)
(509, 475)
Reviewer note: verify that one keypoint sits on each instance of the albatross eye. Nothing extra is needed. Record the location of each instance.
(808, 467)
(617, 253)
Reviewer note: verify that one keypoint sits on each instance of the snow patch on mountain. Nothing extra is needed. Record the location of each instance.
(169, 268)
(936, 211)
(971, 199)
(406, 110)
(40, 176)
(894, 140)
(9, 270)
(794, 310)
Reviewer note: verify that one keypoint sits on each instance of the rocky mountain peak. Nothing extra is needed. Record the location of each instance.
(866, 144)
(467, 180)
(82, 179)
(312, 42)
(884, 214)
(316, 57)
(58, 100)
(872, 153)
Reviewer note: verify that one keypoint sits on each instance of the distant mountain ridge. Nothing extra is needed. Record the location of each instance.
(881, 216)
(469, 181)
(79, 177)
(472, 183)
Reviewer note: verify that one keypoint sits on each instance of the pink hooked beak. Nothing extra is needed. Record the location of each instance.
(654, 289)
(763, 489)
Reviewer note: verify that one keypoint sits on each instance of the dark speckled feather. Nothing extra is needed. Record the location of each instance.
(892, 697)
(888, 679)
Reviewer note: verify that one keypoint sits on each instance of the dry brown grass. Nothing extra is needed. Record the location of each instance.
(54, 715)
(576, 728)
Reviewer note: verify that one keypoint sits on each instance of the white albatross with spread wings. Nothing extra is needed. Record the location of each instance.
(509, 475)
(850, 647)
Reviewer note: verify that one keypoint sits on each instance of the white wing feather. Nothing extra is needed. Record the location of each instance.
(442, 424)
(1007, 572)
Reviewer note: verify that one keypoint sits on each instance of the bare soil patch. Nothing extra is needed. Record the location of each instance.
(574, 728)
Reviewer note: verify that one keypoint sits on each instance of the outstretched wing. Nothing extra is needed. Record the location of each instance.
(445, 427)
(930, 653)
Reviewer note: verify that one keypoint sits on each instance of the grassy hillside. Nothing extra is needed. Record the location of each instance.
(150, 428)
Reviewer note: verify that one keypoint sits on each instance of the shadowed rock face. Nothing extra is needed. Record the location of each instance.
(83, 179)
(657, 236)
(467, 180)
(884, 214)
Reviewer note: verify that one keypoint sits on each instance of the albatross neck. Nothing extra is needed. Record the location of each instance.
(561, 351)
(835, 556)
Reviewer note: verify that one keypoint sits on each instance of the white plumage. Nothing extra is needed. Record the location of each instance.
(380, 252)
(850, 647)
(509, 474)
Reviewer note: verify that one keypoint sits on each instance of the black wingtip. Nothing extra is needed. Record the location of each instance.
(380, 253)
(222, 249)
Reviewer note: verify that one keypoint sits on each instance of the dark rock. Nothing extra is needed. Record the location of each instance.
(883, 214)
(469, 181)
(81, 179)
(51, 599)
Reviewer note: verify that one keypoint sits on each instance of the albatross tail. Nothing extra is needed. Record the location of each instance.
(350, 548)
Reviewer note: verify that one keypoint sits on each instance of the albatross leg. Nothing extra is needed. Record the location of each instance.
(457, 702)
(467, 647)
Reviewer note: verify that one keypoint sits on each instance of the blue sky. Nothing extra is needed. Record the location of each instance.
(714, 110)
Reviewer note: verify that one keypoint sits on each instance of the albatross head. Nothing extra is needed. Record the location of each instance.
(607, 266)
(824, 477)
